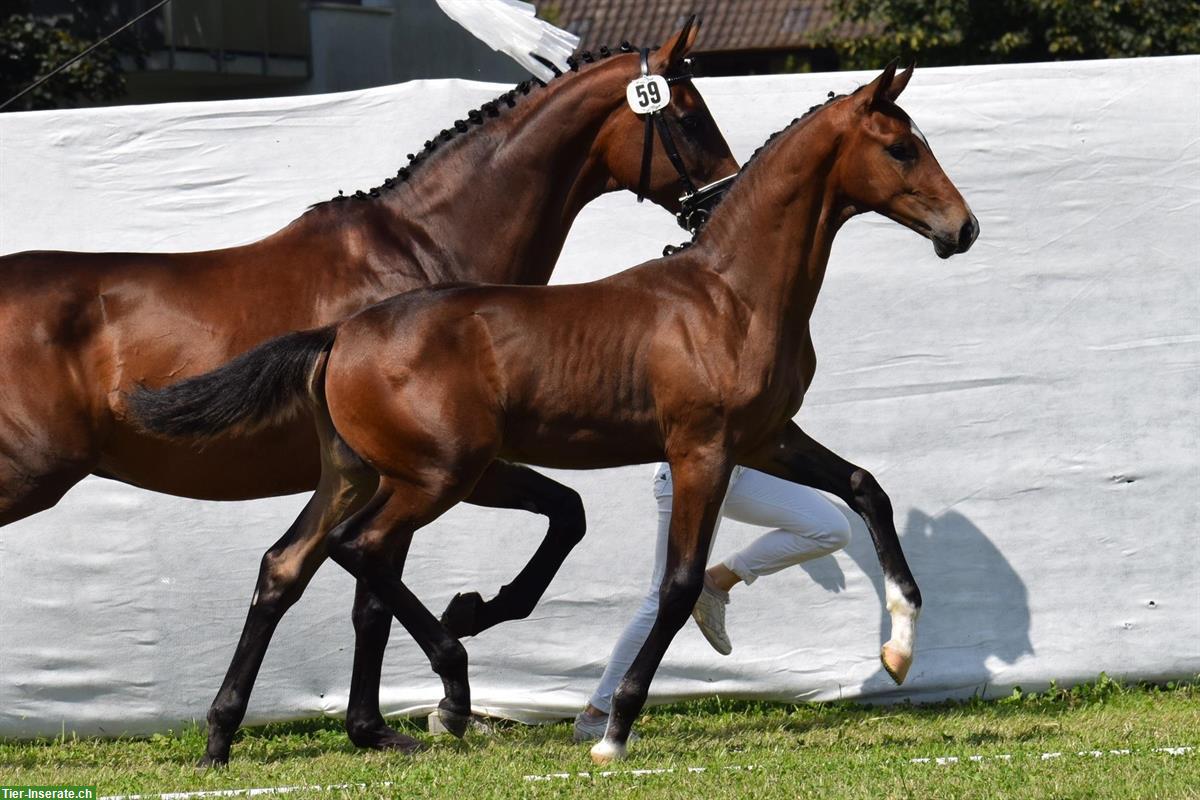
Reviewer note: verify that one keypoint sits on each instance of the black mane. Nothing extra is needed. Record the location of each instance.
(475, 118)
(813, 110)
(672, 249)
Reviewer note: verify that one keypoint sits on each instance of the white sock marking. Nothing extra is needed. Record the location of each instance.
(904, 618)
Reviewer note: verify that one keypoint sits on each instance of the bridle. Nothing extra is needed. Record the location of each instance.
(695, 204)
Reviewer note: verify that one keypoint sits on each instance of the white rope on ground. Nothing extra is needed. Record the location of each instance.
(255, 792)
(939, 760)
(637, 773)
(944, 760)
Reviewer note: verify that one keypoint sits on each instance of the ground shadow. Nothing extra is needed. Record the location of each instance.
(976, 607)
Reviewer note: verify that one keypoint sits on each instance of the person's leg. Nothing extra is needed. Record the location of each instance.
(806, 525)
(636, 630)
(591, 722)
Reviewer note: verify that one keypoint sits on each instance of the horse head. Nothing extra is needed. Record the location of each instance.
(891, 168)
(686, 148)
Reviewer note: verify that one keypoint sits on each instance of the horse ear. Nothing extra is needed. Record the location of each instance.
(675, 48)
(900, 81)
(878, 89)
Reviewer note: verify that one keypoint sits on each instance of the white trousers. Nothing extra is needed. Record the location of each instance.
(805, 526)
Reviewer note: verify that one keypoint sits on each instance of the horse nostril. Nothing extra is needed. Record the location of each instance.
(966, 235)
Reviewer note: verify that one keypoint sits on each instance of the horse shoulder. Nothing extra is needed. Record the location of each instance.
(688, 364)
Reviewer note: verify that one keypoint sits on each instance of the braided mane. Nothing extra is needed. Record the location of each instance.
(475, 118)
(672, 249)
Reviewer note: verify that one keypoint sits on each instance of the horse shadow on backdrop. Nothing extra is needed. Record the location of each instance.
(976, 607)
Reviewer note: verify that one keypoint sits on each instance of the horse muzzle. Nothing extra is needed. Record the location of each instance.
(946, 246)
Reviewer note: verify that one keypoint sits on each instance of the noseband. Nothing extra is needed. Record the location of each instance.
(695, 204)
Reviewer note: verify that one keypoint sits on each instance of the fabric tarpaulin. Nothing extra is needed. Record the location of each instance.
(1029, 406)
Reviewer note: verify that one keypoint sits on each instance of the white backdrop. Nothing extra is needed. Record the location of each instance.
(1030, 406)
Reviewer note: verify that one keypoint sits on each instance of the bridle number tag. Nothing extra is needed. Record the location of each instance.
(648, 94)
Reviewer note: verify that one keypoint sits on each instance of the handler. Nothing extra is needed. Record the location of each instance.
(805, 526)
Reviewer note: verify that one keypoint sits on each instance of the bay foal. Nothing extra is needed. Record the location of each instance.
(701, 358)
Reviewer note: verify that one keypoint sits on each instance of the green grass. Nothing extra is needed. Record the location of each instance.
(749, 750)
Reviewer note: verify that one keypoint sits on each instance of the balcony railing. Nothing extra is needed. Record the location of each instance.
(240, 36)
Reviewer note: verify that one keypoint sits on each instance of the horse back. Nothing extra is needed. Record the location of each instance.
(558, 376)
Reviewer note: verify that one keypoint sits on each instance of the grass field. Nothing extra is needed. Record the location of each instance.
(1102, 740)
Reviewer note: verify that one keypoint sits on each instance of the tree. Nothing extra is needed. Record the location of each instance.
(950, 32)
(32, 46)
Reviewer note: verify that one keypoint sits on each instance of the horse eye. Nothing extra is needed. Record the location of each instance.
(901, 152)
(690, 123)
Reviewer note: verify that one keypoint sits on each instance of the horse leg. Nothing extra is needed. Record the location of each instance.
(506, 485)
(286, 568)
(796, 457)
(502, 485)
(699, 489)
(364, 719)
(372, 545)
(284, 573)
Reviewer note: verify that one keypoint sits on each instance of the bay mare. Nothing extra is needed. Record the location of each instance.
(490, 200)
(701, 358)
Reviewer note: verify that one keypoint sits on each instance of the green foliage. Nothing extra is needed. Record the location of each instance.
(951, 32)
(550, 12)
(31, 47)
(1097, 692)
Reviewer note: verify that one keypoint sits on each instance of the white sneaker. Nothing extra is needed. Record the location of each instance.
(709, 614)
(591, 729)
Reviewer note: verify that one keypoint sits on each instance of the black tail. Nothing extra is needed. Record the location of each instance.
(265, 384)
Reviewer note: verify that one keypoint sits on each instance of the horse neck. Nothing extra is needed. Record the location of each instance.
(499, 202)
(770, 240)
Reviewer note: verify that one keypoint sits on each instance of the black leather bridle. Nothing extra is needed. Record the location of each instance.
(695, 203)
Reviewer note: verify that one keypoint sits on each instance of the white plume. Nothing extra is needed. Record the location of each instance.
(511, 27)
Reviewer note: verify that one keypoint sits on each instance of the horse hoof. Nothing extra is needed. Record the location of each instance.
(605, 752)
(399, 743)
(385, 738)
(461, 615)
(895, 663)
(212, 762)
(454, 722)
